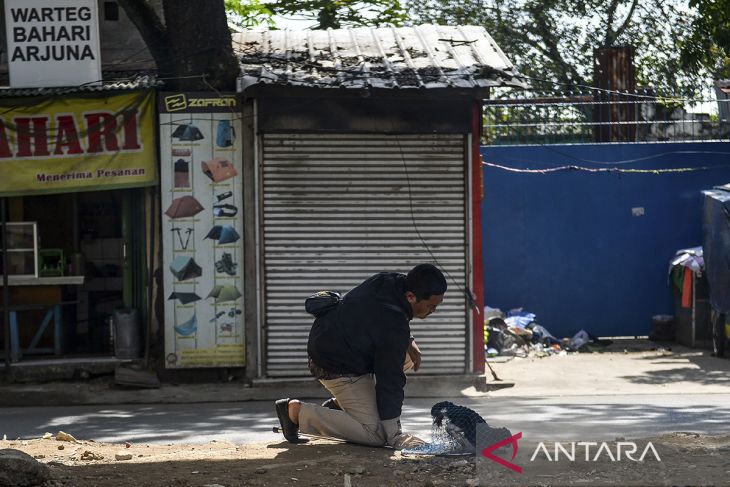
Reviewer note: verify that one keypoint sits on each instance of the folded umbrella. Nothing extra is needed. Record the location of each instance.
(184, 207)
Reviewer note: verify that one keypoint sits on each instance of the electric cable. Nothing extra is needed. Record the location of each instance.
(552, 148)
(617, 162)
(470, 298)
(601, 90)
(604, 169)
(355, 75)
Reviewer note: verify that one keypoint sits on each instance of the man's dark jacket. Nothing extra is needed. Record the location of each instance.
(368, 333)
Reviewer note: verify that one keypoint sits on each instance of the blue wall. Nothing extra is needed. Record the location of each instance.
(566, 246)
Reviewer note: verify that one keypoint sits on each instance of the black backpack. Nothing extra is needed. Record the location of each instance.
(322, 302)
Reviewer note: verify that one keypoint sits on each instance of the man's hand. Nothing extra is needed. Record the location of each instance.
(415, 354)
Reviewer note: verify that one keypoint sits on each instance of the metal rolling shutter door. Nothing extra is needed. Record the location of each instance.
(336, 209)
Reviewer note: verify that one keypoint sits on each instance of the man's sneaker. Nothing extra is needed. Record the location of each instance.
(331, 403)
(288, 428)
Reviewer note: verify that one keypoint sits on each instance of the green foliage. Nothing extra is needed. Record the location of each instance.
(708, 44)
(249, 13)
(343, 13)
(326, 14)
(670, 103)
(553, 40)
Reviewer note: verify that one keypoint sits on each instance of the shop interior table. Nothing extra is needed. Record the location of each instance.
(38, 294)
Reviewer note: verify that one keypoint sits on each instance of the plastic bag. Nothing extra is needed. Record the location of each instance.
(578, 340)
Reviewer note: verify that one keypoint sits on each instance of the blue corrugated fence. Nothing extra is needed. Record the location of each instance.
(590, 250)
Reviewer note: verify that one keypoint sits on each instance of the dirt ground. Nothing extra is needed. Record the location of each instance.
(325, 463)
(317, 463)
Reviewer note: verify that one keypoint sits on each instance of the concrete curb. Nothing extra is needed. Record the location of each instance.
(94, 393)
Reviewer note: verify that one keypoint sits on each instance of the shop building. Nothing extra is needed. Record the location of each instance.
(79, 168)
(78, 174)
(344, 153)
(361, 155)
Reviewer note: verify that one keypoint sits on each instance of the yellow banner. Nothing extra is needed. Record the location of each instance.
(65, 144)
(217, 356)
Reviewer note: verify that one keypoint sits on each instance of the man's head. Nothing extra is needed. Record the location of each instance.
(425, 288)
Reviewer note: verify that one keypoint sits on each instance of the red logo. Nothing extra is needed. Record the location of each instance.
(512, 440)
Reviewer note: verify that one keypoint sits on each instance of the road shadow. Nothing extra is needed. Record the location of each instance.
(683, 365)
(603, 420)
(158, 423)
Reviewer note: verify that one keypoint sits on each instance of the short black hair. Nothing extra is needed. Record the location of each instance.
(426, 280)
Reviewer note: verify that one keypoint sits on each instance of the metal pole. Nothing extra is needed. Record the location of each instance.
(694, 307)
(150, 278)
(6, 293)
(76, 230)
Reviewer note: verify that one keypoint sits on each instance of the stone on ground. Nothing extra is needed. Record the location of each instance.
(18, 469)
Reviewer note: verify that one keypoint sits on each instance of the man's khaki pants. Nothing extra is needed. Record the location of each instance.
(358, 422)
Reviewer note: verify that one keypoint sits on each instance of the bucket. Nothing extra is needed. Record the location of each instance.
(663, 328)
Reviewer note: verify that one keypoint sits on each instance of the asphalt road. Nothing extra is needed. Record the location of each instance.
(581, 418)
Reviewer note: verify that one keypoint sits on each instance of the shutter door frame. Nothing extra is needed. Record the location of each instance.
(356, 167)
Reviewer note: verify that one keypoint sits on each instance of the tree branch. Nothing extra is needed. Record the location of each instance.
(567, 73)
(610, 37)
(626, 21)
(152, 30)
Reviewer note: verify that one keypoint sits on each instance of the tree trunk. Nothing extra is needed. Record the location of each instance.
(153, 33)
(192, 49)
(200, 45)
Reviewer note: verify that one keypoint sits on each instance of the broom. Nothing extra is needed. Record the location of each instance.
(494, 374)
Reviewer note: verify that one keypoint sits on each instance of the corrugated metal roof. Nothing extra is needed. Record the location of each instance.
(133, 82)
(427, 56)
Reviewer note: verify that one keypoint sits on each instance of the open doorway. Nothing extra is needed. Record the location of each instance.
(90, 261)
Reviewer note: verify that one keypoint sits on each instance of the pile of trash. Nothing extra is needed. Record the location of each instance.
(517, 334)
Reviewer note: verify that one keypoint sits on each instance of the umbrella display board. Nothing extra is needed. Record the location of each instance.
(202, 229)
